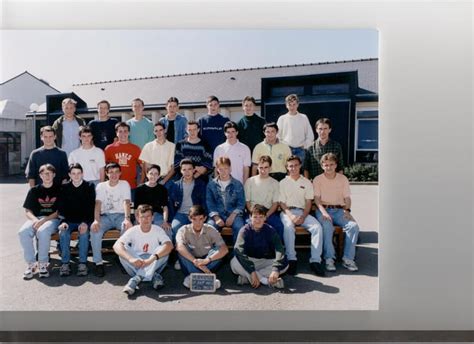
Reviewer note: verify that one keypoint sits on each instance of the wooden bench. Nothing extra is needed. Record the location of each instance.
(302, 239)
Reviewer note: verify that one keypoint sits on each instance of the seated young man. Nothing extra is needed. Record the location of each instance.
(333, 199)
(143, 251)
(41, 211)
(259, 253)
(264, 190)
(112, 211)
(200, 246)
(156, 195)
(225, 199)
(76, 212)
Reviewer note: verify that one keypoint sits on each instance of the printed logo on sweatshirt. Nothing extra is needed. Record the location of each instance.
(123, 158)
(47, 202)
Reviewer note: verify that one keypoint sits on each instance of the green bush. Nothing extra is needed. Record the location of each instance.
(362, 173)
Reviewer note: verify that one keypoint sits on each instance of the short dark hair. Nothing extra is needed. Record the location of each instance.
(270, 125)
(193, 122)
(143, 208)
(211, 99)
(249, 99)
(75, 165)
(104, 102)
(47, 167)
(259, 209)
(47, 128)
(153, 167)
(293, 157)
(112, 165)
(85, 129)
(265, 158)
(197, 210)
(323, 121)
(122, 125)
(229, 125)
(172, 100)
(186, 162)
(160, 124)
(138, 100)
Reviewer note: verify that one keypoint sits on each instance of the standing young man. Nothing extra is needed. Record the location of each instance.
(259, 253)
(225, 199)
(143, 251)
(322, 145)
(41, 206)
(237, 152)
(141, 128)
(333, 199)
(47, 154)
(193, 148)
(295, 129)
(103, 129)
(91, 158)
(67, 126)
(212, 124)
(296, 197)
(76, 212)
(271, 146)
(160, 152)
(125, 154)
(174, 122)
(200, 246)
(264, 190)
(112, 210)
(250, 127)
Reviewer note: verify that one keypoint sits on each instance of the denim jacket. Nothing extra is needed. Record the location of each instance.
(198, 195)
(180, 123)
(234, 198)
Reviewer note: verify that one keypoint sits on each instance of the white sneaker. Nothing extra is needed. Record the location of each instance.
(31, 269)
(241, 280)
(177, 265)
(349, 265)
(330, 265)
(217, 284)
(186, 281)
(43, 270)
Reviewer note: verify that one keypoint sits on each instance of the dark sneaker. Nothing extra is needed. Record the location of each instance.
(99, 270)
(157, 281)
(82, 269)
(43, 270)
(132, 285)
(318, 269)
(64, 270)
(292, 266)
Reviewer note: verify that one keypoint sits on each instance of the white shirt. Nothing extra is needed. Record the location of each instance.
(239, 155)
(295, 130)
(91, 160)
(112, 198)
(140, 242)
(159, 154)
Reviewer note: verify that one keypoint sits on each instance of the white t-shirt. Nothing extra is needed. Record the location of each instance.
(295, 130)
(112, 198)
(239, 155)
(264, 191)
(140, 242)
(91, 160)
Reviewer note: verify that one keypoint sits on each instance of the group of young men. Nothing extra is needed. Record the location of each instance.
(187, 180)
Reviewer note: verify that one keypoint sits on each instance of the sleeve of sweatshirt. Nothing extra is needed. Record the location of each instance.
(243, 259)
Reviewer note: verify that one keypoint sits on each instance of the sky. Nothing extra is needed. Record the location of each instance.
(67, 57)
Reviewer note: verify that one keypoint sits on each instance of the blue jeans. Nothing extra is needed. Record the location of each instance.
(107, 222)
(147, 272)
(65, 241)
(312, 226)
(299, 152)
(27, 236)
(236, 225)
(187, 266)
(351, 232)
(179, 220)
(274, 221)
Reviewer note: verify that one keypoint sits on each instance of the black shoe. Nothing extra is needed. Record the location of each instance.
(318, 269)
(99, 270)
(292, 265)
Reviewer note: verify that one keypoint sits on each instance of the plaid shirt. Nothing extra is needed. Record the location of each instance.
(316, 151)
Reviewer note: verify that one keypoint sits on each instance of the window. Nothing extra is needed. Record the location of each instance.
(367, 134)
(286, 90)
(330, 89)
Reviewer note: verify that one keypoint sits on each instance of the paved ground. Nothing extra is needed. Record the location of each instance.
(341, 290)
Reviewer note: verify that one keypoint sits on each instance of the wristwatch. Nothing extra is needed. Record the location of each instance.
(157, 256)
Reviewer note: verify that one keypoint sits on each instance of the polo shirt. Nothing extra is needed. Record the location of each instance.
(263, 191)
(239, 155)
(159, 154)
(199, 245)
(279, 152)
(294, 193)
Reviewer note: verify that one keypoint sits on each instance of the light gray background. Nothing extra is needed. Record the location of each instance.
(426, 165)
